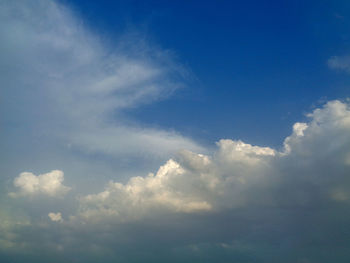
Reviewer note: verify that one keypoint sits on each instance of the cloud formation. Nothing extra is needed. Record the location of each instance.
(67, 85)
(165, 189)
(49, 184)
(55, 217)
(240, 201)
(239, 174)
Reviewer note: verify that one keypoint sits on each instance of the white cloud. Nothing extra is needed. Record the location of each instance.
(141, 195)
(61, 82)
(238, 151)
(244, 196)
(50, 184)
(67, 85)
(239, 174)
(56, 217)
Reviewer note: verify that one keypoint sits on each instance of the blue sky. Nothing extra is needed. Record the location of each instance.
(174, 131)
(259, 65)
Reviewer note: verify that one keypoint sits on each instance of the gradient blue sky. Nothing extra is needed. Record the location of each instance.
(257, 66)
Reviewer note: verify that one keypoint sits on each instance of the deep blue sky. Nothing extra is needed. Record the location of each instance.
(258, 66)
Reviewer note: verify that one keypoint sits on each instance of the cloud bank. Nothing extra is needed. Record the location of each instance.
(313, 165)
(242, 202)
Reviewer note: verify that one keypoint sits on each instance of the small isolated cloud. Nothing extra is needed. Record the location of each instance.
(339, 63)
(56, 217)
(49, 184)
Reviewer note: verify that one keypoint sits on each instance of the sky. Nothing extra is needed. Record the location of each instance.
(174, 131)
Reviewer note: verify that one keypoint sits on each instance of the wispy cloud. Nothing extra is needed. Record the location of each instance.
(339, 63)
(63, 81)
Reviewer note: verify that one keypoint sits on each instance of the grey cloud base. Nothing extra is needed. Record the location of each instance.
(243, 203)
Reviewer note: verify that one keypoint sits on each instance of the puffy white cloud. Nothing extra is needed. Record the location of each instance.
(164, 190)
(50, 184)
(240, 201)
(240, 152)
(56, 217)
(239, 174)
(194, 183)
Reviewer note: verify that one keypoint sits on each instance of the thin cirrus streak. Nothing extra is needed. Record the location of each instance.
(64, 82)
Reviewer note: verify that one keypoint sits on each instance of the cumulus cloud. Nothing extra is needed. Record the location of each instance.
(50, 184)
(194, 183)
(56, 217)
(238, 174)
(240, 200)
(165, 189)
